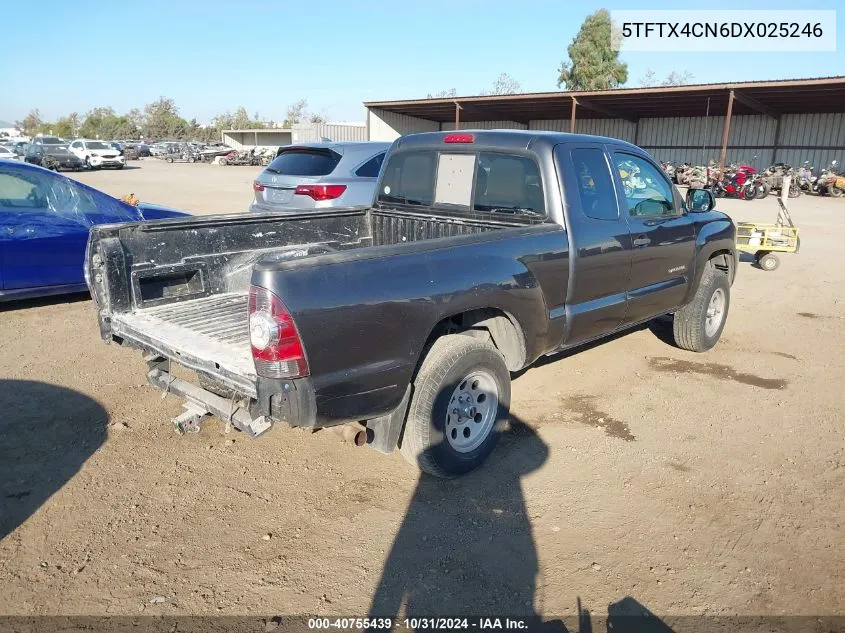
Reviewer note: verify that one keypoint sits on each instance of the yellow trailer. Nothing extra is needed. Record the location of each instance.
(764, 240)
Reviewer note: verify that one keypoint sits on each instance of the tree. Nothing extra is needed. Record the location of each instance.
(443, 94)
(136, 117)
(296, 113)
(505, 85)
(593, 63)
(67, 126)
(162, 120)
(316, 118)
(31, 122)
(672, 79)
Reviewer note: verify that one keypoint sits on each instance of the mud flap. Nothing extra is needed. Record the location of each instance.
(383, 432)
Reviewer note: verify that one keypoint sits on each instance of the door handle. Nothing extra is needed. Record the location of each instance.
(640, 241)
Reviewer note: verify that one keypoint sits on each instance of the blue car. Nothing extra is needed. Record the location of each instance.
(44, 223)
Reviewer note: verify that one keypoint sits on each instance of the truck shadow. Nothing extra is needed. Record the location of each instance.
(38, 302)
(48, 433)
(660, 327)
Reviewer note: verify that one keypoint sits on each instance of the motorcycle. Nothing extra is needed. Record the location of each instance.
(734, 183)
(830, 182)
(774, 174)
(245, 157)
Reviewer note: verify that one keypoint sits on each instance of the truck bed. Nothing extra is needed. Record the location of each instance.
(179, 288)
(199, 334)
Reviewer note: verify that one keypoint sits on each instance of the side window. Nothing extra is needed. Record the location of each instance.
(371, 168)
(595, 184)
(76, 145)
(647, 192)
(509, 183)
(22, 191)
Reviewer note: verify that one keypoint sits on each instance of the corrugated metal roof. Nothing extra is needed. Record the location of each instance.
(816, 95)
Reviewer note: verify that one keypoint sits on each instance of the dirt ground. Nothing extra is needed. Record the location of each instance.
(640, 474)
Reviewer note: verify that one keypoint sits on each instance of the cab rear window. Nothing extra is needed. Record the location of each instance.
(482, 182)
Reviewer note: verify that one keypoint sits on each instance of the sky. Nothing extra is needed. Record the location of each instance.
(212, 56)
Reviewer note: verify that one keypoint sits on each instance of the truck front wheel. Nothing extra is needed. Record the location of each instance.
(461, 399)
(699, 324)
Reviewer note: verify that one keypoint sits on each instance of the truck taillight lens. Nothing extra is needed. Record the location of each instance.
(276, 346)
(320, 192)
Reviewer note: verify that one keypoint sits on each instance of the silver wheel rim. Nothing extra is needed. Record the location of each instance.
(768, 263)
(472, 411)
(715, 312)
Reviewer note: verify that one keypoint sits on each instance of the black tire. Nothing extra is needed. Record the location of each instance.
(224, 162)
(447, 368)
(768, 262)
(836, 192)
(763, 191)
(169, 159)
(689, 325)
(120, 166)
(794, 190)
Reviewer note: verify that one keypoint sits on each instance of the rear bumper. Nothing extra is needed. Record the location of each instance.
(290, 401)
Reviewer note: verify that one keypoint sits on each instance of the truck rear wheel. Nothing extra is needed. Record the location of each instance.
(699, 324)
(461, 398)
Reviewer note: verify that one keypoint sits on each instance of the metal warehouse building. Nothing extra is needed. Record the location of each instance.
(777, 121)
(298, 133)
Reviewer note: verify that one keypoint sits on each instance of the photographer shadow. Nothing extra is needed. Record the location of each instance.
(48, 433)
(466, 546)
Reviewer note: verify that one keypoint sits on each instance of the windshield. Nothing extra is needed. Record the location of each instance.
(57, 150)
(97, 145)
(51, 140)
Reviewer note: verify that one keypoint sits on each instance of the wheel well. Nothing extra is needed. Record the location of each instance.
(724, 261)
(490, 324)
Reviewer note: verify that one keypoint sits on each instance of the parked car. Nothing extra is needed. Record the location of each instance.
(97, 154)
(319, 175)
(8, 153)
(400, 322)
(48, 140)
(44, 223)
(20, 148)
(52, 156)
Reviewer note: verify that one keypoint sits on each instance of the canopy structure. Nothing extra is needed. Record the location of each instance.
(768, 98)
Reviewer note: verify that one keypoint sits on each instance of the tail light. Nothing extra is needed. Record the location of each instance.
(257, 186)
(276, 347)
(320, 192)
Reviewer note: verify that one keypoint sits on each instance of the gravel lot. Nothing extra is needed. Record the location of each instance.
(694, 484)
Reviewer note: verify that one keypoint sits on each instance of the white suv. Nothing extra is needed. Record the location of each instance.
(96, 154)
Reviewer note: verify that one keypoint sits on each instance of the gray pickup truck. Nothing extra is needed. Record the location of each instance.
(400, 323)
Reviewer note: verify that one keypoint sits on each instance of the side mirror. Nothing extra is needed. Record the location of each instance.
(700, 200)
